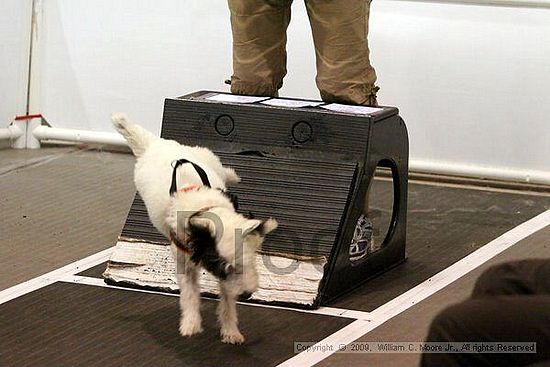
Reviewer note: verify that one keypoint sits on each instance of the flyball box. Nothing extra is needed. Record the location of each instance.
(308, 165)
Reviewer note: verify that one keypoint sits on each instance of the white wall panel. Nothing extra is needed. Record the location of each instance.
(15, 26)
(471, 81)
(128, 55)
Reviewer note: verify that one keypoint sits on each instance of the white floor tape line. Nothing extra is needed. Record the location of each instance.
(326, 311)
(422, 291)
(55, 275)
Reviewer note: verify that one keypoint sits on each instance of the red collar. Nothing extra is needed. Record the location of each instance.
(184, 247)
(188, 188)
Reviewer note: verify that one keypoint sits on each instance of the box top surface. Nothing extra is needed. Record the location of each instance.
(297, 104)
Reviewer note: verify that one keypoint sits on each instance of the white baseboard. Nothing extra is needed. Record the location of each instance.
(477, 171)
(415, 165)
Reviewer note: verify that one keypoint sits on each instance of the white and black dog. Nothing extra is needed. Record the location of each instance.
(173, 178)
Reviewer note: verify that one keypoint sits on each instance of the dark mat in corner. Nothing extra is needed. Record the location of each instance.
(78, 325)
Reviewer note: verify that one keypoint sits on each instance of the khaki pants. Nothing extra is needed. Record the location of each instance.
(339, 27)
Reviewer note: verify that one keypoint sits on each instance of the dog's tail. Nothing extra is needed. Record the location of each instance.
(137, 137)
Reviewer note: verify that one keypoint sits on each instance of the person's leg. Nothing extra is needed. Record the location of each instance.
(522, 277)
(259, 45)
(344, 72)
(345, 75)
(492, 319)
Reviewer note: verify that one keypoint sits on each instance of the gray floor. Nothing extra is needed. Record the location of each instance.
(59, 205)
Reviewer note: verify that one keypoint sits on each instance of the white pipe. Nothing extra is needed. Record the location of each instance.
(31, 142)
(454, 169)
(470, 170)
(81, 136)
(11, 133)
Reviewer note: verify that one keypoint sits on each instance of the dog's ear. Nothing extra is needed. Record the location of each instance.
(201, 222)
(204, 251)
(201, 231)
(259, 227)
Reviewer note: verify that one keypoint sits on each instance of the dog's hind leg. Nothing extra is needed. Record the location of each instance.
(227, 315)
(190, 321)
(137, 137)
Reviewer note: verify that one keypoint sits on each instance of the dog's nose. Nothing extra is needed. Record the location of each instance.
(245, 295)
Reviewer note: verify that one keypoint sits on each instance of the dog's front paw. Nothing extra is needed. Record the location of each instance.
(190, 328)
(234, 337)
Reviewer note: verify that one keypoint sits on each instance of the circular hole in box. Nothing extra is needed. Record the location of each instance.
(302, 132)
(224, 125)
(379, 206)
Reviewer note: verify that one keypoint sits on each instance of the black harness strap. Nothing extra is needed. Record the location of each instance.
(201, 245)
(200, 171)
(204, 178)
